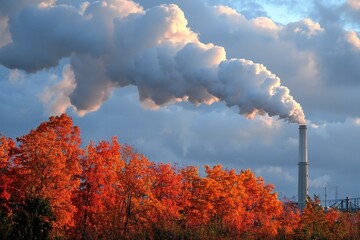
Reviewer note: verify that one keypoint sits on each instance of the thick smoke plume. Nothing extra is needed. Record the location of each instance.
(117, 43)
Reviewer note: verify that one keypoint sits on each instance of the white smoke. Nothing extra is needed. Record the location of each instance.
(56, 97)
(116, 43)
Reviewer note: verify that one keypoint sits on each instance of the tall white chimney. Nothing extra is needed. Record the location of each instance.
(303, 168)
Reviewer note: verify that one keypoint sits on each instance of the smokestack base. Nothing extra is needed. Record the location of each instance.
(303, 168)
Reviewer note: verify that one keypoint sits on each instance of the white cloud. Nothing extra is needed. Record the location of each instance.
(55, 98)
(353, 39)
(15, 75)
(316, 59)
(47, 4)
(277, 172)
(5, 36)
(354, 4)
(319, 182)
(154, 50)
(265, 23)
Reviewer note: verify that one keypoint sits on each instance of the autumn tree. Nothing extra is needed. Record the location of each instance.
(7, 146)
(222, 194)
(351, 224)
(96, 193)
(47, 163)
(289, 220)
(51, 188)
(167, 194)
(231, 204)
(32, 220)
(316, 223)
(190, 198)
(134, 199)
(261, 208)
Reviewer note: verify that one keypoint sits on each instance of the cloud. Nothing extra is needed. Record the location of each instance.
(312, 58)
(277, 172)
(319, 182)
(250, 9)
(113, 44)
(93, 86)
(20, 108)
(15, 75)
(353, 39)
(8, 7)
(43, 36)
(303, 54)
(353, 4)
(5, 37)
(349, 12)
(151, 49)
(56, 97)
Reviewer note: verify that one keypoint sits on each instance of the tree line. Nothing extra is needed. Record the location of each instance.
(52, 188)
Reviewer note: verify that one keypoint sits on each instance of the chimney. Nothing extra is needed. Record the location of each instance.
(303, 168)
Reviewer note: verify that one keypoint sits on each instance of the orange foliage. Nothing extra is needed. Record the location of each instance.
(166, 190)
(227, 201)
(110, 191)
(190, 198)
(7, 146)
(262, 208)
(133, 192)
(96, 193)
(315, 223)
(289, 220)
(47, 163)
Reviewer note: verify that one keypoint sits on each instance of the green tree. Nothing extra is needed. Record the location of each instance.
(32, 220)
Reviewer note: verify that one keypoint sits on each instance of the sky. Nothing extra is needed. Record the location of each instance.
(199, 82)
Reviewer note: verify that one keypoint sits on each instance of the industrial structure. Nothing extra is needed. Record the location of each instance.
(347, 204)
(303, 168)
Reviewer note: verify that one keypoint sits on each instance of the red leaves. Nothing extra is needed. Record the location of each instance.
(7, 146)
(96, 192)
(110, 191)
(47, 161)
(116, 191)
